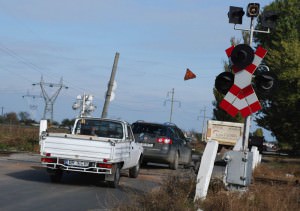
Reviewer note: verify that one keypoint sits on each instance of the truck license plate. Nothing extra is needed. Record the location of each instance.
(76, 163)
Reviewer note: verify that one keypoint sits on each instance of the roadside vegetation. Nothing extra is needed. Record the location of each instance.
(18, 138)
(20, 133)
(275, 186)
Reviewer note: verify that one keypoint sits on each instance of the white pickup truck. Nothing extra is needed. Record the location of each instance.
(95, 146)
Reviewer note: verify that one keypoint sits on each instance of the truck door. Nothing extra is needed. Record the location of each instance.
(134, 149)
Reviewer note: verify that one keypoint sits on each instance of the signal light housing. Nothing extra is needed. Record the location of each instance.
(235, 15)
(224, 82)
(253, 10)
(242, 55)
(265, 83)
(269, 19)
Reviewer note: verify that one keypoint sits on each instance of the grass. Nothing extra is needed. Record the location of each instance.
(18, 138)
(176, 193)
(279, 191)
(21, 137)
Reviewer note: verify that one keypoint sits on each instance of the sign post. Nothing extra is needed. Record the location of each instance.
(240, 95)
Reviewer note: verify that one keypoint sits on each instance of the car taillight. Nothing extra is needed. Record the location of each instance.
(164, 140)
(104, 165)
(48, 160)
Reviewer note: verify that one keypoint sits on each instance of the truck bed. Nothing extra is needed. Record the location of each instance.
(84, 147)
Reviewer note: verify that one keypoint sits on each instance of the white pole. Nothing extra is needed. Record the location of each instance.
(205, 170)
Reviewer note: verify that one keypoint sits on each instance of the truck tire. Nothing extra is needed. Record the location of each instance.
(117, 175)
(175, 163)
(134, 171)
(55, 176)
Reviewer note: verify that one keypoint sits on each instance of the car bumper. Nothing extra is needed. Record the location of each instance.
(158, 156)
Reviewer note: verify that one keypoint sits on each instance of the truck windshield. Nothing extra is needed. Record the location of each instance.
(101, 128)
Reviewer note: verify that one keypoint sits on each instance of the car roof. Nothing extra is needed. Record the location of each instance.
(167, 124)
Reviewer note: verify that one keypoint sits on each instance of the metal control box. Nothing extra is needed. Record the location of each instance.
(239, 167)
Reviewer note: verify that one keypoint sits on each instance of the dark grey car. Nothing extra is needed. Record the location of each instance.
(163, 143)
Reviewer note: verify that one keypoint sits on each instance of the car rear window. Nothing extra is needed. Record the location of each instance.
(157, 130)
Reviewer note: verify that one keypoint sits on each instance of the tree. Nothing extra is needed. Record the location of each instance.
(258, 132)
(24, 117)
(11, 118)
(68, 123)
(280, 113)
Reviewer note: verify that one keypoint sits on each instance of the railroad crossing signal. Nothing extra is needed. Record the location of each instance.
(241, 96)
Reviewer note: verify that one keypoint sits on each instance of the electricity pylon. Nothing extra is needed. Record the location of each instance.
(49, 100)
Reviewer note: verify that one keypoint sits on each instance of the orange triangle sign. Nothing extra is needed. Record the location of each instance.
(189, 75)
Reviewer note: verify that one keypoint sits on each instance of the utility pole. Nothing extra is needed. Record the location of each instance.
(204, 119)
(252, 12)
(203, 123)
(172, 102)
(110, 86)
(49, 100)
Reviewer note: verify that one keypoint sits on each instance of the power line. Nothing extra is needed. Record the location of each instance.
(29, 64)
(19, 58)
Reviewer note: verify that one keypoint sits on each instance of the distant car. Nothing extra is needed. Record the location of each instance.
(163, 143)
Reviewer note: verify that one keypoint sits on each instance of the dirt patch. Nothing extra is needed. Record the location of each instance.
(5, 154)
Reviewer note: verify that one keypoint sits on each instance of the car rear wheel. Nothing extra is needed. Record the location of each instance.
(175, 163)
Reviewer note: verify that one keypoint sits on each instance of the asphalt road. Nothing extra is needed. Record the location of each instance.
(25, 185)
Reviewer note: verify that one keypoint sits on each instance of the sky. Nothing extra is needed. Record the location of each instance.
(77, 40)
